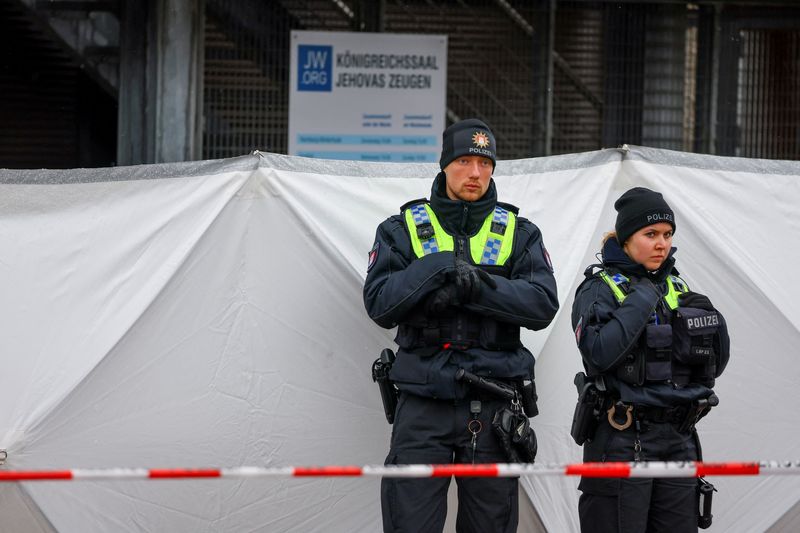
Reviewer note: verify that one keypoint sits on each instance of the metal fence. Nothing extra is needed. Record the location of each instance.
(768, 97)
(549, 76)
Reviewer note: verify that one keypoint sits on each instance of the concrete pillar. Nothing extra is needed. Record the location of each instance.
(161, 81)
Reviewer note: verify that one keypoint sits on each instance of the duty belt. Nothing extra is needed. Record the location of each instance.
(621, 415)
(447, 337)
(661, 415)
(446, 334)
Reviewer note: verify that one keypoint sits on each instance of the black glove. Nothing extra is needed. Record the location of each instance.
(516, 436)
(468, 280)
(503, 425)
(441, 298)
(525, 441)
(696, 300)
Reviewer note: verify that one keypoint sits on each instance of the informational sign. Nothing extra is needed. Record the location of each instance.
(367, 96)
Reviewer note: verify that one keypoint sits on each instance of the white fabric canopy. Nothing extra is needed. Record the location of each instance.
(210, 314)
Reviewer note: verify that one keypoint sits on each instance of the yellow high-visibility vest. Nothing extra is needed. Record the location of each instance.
(492, 244)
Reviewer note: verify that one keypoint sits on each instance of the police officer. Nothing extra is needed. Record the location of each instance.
(459, 274)
(653, 348)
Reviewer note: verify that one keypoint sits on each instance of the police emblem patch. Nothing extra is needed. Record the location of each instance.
(579, 331)
(373, 256)
(480, 139)
(547, 260)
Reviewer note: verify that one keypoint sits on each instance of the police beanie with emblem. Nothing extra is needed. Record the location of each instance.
(640, 207)
(467, 137)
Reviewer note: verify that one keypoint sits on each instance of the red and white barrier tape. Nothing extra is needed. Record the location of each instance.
(611, 470)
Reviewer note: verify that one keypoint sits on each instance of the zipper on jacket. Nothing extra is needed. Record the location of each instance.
(461, 247)
(460, 241)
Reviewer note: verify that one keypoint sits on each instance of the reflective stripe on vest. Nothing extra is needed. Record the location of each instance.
(487, 247)
(675, 287)
(495, 250)
(427, 235)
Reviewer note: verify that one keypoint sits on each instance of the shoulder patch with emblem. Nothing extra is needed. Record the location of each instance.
(547, 258)
(373, 256)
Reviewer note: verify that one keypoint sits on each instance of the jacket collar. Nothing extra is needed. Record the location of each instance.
(458, 216)
(615, 257)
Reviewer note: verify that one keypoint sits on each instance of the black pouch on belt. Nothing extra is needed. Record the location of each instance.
(528, 397)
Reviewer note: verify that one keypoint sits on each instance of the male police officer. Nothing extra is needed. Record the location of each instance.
(459, 274)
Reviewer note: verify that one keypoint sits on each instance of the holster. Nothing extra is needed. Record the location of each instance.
(697, 410)
(705, 491)
(587, 411)
(380, 375)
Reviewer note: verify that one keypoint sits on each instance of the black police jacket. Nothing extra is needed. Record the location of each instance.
(606, 331)
(398, 285)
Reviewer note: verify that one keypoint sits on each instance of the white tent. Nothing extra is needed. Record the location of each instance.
(210, 314)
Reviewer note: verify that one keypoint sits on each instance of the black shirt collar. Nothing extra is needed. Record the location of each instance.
(458, 216)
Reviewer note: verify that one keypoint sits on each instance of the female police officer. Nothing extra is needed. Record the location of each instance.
(652, 348)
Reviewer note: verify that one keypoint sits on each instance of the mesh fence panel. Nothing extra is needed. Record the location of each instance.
(595, 74)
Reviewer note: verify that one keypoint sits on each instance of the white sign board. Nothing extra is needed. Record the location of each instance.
(367, 96)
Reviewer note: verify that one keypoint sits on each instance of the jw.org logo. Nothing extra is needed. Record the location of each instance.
(314, 67)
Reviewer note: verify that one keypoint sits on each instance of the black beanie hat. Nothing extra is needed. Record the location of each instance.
(640, 207)
(467, 137)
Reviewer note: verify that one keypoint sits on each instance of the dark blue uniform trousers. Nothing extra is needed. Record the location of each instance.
(639, 505)
(428, 431)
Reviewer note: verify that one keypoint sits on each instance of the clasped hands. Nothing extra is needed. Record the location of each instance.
(464, 284)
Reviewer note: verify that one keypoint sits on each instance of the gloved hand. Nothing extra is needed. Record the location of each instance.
(696, 300)
(468, 280)
(441, 298)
